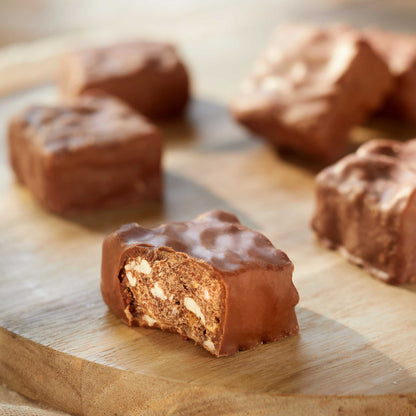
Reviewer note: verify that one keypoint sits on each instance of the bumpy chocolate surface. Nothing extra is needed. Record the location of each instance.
(95, 152)
(310, 87)
(366, 208)
(149, 76)
(260, 296)
(399, 53)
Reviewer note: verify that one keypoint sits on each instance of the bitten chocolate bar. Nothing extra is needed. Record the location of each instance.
(366, 208)
(211, 280)
(94, 153)
(310, 87)
(149, 76)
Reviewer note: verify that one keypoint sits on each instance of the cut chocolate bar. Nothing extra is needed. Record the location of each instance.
(149, 76)
(366, 208)
(310, 87)
(210, 279)
(93, 153)
(399, 52)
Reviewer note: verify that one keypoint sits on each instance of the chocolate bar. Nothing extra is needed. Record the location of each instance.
(211, 280)
(94, 153)
(366, 208)
(399, 52)
(310, 87)
(149, 76)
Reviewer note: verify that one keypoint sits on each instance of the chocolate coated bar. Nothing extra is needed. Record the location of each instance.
(310, 87)
(210, 279)
(366, 208)
(149, 76)
(399, 52)
(93, 153)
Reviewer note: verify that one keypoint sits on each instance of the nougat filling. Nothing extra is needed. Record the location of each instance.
(176, 293)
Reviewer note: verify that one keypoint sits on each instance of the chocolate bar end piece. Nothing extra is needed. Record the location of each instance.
(149, 76)
(93, 153)
(211, 280)
(366, 208)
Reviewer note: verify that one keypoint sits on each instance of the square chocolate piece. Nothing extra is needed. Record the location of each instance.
(310, 87)
(366, 208)
(399, 52)
(149, 76)
(210, 279)
(93, 153)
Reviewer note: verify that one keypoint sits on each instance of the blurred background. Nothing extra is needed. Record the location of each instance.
(27, 20)
(209, 32)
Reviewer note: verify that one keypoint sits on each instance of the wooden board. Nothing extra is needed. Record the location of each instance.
(59, 344)
(357, 334)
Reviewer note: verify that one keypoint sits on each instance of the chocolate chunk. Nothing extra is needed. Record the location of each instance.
(210, 279)
(399, 52)
(310, 87)
(149, 76)
(366, 208)
(93, 153)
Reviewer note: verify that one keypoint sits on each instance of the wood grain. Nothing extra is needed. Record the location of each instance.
(87, 388)
(59, 344)
(355, 331)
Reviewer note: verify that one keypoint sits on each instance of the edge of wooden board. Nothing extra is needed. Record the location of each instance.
(82, 387)
(26, 65)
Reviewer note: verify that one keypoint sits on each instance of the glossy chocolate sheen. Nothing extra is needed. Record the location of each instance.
(366, 208)
(310, 87)
(399, 52)
(149, 76)
(95, 152)
(260, 295)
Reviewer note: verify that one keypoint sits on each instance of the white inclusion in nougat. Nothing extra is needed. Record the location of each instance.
(143, 266)
(191, 305)
(158, 292)
(150, 321)
(209, 344)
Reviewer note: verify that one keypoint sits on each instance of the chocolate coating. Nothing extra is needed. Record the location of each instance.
(95, 152)
(149, 76)
(260, 296)
(399, 53)
(366, 207)
(310, 87)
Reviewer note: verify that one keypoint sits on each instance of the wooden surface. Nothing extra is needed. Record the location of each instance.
(59, 343)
